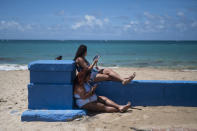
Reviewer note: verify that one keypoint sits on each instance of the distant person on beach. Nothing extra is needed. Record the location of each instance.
(58, 58)
(97, 74)
(87, 99)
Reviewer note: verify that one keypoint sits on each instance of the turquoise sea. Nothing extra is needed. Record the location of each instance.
(16, 54)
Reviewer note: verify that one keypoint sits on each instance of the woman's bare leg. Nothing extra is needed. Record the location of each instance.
(107, 101)
(115, 76)
(102, 77)
(108, 74)
(99, 107)
(130, 78)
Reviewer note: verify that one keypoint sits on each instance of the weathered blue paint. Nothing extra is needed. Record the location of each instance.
(50, 96)
(50, 77)
(51, 88)
(52, 71)
(52, 65)
(151, 92)
(51, 115)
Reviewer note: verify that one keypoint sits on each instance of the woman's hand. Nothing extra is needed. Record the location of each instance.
(97, 67)
(95, 61)
(93, 89)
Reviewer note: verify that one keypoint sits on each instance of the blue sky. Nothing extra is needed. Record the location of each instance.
(99, 19)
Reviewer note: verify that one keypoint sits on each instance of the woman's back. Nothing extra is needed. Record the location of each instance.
(81, 64)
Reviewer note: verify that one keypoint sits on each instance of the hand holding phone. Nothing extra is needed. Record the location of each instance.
(96, 57)
(94, 88)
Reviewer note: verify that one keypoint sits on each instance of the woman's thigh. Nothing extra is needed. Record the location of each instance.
(94, 106)
(102, 77)
(99, 107)
(107, 71)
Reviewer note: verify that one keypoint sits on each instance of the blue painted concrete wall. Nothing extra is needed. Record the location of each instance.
(51, 77)
(151, 92)
(50, 96)
(50, 92)
(52, 71)
(51, 84)
(51, 115)
(51, 88)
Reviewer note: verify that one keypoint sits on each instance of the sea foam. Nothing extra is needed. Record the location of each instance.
(9, 67)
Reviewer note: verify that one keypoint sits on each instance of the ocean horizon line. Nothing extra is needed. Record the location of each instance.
(82, 40)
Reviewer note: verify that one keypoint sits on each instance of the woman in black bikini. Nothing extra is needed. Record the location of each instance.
(97, 74)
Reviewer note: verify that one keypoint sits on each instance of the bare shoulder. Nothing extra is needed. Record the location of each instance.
(79, 60)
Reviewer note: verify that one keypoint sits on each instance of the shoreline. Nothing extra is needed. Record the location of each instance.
(142, 73)
(24, 67)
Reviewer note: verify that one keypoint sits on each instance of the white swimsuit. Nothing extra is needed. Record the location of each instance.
(81, 102)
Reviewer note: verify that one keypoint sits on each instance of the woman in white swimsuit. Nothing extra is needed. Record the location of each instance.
(87, 99)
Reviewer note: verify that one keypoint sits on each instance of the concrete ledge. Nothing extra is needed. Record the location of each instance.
(51, 115)
(52, 65)
(52, 71)
(50, 96)
(151, 92)
(51, 77)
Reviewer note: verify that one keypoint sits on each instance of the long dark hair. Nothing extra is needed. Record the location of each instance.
(81, 76)
(81, 52)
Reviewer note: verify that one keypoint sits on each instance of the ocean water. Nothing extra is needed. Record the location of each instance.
(16, 54)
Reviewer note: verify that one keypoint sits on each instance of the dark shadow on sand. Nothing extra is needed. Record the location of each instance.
(136, 129)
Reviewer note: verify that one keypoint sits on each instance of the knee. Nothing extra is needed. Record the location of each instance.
(109, 77)
(103, 97)
(108, 71)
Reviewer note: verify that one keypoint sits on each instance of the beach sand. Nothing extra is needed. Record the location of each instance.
(13, 101)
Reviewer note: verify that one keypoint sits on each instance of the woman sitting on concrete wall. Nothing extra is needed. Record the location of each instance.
(87, 99)
(97, 74)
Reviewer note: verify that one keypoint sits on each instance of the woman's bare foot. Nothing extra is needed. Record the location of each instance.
(125, 107)
(129, 79)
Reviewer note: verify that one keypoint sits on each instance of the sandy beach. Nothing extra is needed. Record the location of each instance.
(13, 101)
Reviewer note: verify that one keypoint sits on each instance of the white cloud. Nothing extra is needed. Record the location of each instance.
(194, 24)
(162, 21)
(14, 25)
(11, 25)
(60, 13)
(148, 15)
(130, 25)
(78, 25)
(90, 21)
(126, 27)
(106, 20)
(181, 26)
(134, 22)
(147, 22)
(180, 13)
(160, 26)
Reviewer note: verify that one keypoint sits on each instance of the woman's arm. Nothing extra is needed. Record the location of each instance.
(83, 94)
(84, 65)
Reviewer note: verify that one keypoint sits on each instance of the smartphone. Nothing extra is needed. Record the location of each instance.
(96, 57)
